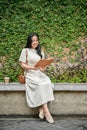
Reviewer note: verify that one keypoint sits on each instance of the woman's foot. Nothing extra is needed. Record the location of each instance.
(41, 115)
(49, 118)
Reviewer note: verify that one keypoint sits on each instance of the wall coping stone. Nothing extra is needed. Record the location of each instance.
(15, 86)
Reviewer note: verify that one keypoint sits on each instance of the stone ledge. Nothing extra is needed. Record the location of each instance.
(70, 87)
(12, 87)
(57, 87)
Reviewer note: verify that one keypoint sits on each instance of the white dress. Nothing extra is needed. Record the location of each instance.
(39, 89)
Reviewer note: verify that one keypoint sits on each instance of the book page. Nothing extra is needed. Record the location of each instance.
(44, 62)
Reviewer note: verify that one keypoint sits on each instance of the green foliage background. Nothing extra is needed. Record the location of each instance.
(58, 22)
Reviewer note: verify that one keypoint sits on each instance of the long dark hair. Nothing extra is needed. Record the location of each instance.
(29, 43)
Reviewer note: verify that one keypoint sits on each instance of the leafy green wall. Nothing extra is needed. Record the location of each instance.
(60, 24)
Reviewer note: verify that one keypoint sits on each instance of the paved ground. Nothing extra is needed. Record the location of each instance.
(36, 124)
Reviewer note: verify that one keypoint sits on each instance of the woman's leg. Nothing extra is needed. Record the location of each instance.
(47, 113)
(41, 112)
(40, 109)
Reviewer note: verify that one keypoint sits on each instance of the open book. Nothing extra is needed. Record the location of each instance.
(44, 62)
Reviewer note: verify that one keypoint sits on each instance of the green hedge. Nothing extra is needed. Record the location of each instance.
(59, 23)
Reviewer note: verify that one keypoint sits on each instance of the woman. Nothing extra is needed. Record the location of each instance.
(39, 89)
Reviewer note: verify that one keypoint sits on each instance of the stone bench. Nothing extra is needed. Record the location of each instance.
(69, 99)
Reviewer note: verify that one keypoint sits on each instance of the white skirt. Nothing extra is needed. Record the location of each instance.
(39, 89)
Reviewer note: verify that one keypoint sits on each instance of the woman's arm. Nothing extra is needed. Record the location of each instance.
(27, 67)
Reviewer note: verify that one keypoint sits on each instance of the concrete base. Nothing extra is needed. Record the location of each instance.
(13, 102)
(69, 103)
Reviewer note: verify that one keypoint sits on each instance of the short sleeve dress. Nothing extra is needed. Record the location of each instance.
(39, 89)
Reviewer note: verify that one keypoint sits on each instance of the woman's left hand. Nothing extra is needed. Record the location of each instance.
(42, 68)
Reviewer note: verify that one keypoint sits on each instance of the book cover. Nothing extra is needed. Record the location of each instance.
(44, 62)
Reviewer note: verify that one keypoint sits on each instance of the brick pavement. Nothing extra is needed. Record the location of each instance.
(37, 124)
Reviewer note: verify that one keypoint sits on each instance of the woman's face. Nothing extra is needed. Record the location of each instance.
(35, 42)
